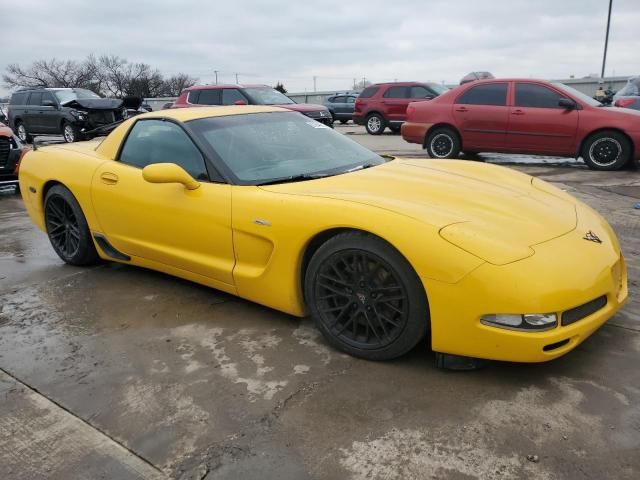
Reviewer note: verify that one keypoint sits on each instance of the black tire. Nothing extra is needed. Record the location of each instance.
(394, 128)
(22, 133)
(375, 124)
(608, 150)
(344, 121)
(70, 132)
(365, 297)
(67, 227)
(443, 143)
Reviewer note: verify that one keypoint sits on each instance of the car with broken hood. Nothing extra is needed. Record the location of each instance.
(74, 113)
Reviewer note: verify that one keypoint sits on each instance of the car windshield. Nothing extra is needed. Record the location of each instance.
(280, 147)
(583, 97)
(631, 89)
(267, 96)
(439, 89)
(65, 96)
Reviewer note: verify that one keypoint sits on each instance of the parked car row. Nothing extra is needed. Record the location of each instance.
(525, 116)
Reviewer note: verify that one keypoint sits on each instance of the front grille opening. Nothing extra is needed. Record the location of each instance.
(553, 346)
(584, 310)
(5, 148)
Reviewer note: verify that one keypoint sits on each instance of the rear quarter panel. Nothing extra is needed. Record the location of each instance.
(421, 116)
(70, 167)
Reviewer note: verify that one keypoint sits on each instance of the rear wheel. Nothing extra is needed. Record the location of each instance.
(21, 132)
(375, 124)
(443, 143)
(365, 297)
(343, 121)
(67, 227)
(606, 150)
(70, 132)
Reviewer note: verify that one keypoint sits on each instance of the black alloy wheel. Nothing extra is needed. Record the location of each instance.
(443, 143)
(67, 227)
(365, 298)
(606, 151)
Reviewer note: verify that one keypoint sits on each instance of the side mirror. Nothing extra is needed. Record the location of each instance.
(567, 103)
(169, 173)
(48, 103)
(429, 97)
(240, 102)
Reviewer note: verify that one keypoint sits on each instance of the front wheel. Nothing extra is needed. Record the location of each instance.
(70, 132)
(443, 143)
(375, 124)
(67, 227)
(365, 297)
(23, 135)
(607, 150)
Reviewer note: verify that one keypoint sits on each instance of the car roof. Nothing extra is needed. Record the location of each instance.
(194, 113)
(223, 85)
(399, 84)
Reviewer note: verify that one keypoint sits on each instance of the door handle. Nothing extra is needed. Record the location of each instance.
(109, 178)
(517, 112)
(461, 109)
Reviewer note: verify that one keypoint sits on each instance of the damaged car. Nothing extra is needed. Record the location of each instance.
(11, 152)
(74, 113)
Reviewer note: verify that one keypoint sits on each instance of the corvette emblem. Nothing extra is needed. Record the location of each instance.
(592, 237)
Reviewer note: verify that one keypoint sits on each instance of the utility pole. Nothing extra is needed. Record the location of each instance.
(216, 72)
(237, 82)
(606, 41)
(314, 83)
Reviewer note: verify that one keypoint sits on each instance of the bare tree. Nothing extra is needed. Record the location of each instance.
(109, 75)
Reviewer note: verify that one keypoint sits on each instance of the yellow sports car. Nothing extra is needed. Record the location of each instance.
(274, 207)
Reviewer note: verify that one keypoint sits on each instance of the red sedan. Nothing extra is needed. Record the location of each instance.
(525, 116)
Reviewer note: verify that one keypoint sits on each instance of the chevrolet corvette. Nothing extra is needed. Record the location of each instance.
(384, 253)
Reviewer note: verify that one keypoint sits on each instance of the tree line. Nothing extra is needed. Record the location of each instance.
(108, 75)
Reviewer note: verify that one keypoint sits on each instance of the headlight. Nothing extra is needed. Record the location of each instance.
(78, 115)
(536, 322)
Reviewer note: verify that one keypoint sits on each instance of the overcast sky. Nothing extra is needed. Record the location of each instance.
(334, 40)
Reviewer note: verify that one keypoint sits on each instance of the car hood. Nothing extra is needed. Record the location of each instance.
(628, 113)
(494, 212)
(104, 103)
(303, 107)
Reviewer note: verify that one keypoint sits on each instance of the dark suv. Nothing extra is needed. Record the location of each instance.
(74, 113)
(385, 104)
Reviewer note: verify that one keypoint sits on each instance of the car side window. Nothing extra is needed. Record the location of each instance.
(192, 98)
(35, 98)
(159, 141)
(536, 96)
(491, 94)
(369, 92)
(396, 92)
(231, 95)
(19, 99)
(421, 92)
(351, 99)
(209, 97)
(47, 96)
(339, 100)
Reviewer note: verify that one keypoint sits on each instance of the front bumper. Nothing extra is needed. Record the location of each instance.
(322, 116)
(564, 273)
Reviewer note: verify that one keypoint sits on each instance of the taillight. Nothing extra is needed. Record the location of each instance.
(358, 104)
(625, 102)
(22, 154)
(410, 109)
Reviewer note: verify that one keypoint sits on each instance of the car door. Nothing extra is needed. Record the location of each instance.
(32, 119)
(482, 116)
(338, 106)
(166, 223)
(538, 124)
(350, 106)
(48, 114)
(395, 100)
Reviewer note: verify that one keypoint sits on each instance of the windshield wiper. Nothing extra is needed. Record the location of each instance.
(295, 178)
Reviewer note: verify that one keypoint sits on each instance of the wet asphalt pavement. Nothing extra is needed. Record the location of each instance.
(123, 373)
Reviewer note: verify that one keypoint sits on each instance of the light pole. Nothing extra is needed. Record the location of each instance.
(606, 41)
(216, 72)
